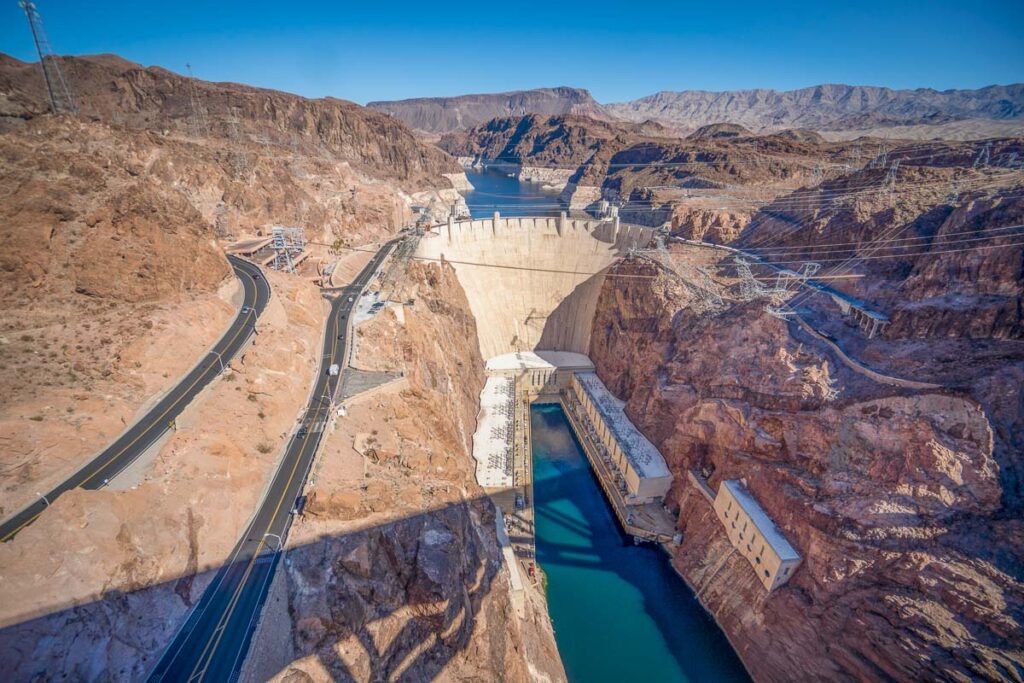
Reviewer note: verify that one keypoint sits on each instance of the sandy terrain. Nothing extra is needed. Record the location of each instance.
(56, 426)
(131, 562)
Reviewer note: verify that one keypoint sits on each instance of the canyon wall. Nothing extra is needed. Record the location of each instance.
(446, 114)
(825, 107)
(897, 499)
(121, 93)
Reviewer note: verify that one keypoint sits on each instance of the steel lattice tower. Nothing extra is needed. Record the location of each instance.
(60, 95)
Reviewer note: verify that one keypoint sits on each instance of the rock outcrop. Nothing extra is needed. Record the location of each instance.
(121, 93)
(902, 502)
(447, 114)
(824, 107)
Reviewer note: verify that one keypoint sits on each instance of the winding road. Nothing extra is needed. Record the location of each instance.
(212, 643)
(160, 418)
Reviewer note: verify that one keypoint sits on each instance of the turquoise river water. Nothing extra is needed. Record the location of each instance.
(619, 610)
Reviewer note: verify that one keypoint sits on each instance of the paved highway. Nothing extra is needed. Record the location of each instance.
(132, 443)
(214, 639)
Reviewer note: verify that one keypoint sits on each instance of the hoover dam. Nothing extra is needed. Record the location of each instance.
(306, 383)
(532, 282)
(573, 521)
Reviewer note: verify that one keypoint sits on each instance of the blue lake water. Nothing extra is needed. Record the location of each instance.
(620, 612)
(496, 191)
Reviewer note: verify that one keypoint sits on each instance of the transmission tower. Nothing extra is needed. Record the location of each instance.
(890, 178)
(61, 100)
(237, 157)
(197, 119)
(983, 158)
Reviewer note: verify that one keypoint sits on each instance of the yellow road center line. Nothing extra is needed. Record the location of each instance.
(148, 429)
(233, 603)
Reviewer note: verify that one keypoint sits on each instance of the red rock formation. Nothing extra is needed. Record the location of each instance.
(895, 498)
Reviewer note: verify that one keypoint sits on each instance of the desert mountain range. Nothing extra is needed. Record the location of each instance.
(920, 113)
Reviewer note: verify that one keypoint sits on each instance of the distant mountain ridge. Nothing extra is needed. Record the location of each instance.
(824, 107)
(448, 114)
(829, 107)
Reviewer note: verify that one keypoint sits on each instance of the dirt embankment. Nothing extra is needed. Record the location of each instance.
(112, 287)
(898, 501)
(394, 570)
(98, 585)
(113, 282)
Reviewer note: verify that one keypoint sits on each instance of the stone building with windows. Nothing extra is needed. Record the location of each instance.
(754, 534)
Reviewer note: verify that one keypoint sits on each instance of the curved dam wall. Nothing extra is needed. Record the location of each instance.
(532, 283)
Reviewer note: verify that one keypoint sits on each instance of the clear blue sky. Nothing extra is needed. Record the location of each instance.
(375, 49)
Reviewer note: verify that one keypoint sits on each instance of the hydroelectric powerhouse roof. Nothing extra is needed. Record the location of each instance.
(761, 520)
(641, 453)
(539, 360)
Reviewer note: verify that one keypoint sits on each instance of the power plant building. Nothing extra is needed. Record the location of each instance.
(644, 471)
(754, 534)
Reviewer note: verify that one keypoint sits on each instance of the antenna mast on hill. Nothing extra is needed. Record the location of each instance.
(57, 87)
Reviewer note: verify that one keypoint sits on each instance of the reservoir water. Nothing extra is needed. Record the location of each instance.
(620, 612)
(495, 191)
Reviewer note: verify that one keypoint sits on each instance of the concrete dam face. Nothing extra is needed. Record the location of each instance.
(532, 283)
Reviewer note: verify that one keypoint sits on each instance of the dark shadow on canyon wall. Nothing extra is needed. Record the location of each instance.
(567, 327)
(415, 584)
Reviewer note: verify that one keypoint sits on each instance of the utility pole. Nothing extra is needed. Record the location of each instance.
(61, 101)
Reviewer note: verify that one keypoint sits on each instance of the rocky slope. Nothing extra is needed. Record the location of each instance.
(394, 572)
(95, 588)
(447, 114)
(910, 227)
(103, 265)
(825, 107)
(645, 166)
(111, 239)
(121, 93)
(905, 500)
(902, 502)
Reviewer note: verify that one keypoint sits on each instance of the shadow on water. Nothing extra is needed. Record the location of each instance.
(421, 579)
(620, 611)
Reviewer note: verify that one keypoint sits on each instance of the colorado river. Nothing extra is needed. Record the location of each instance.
(620, 612)
(495, 191)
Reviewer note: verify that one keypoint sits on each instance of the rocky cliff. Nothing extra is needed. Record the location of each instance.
(645, 166)
(900, 501)
(395, 572)
(446, 114)
(933, 239)
(825, 107)
(121, 93)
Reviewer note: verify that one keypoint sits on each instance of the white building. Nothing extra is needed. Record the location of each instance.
(754, 534)
(646, 475)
